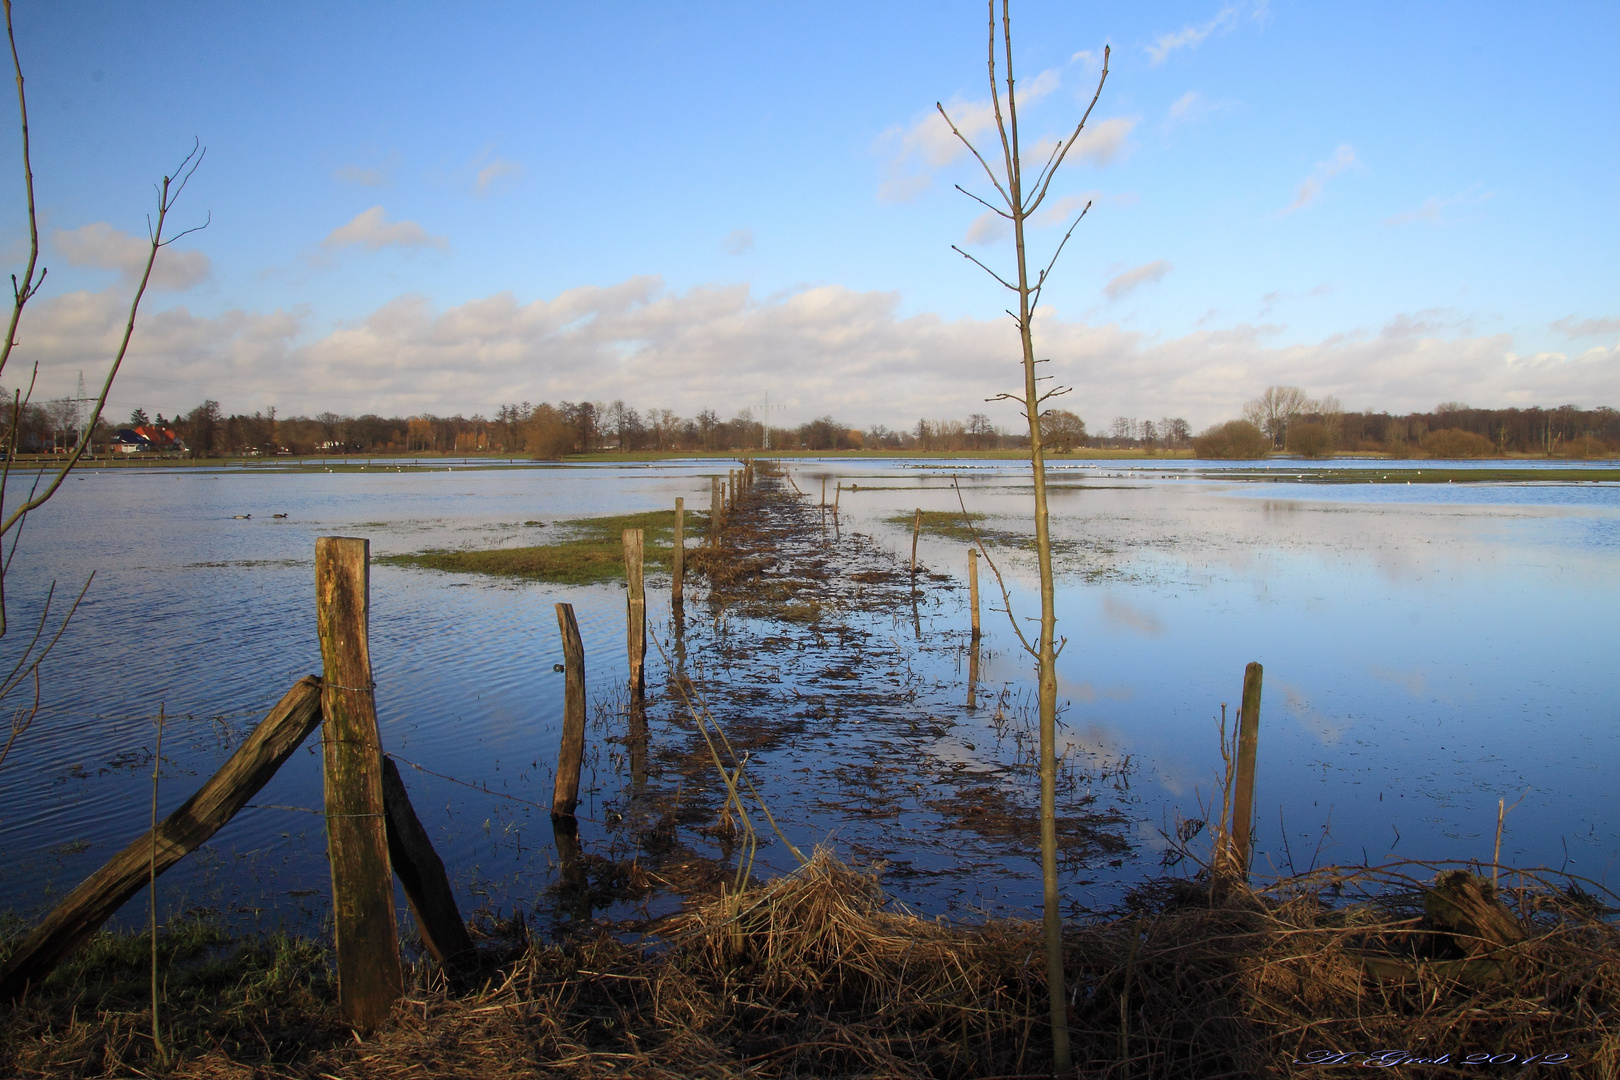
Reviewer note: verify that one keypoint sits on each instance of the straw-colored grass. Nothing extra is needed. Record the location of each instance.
(813, 974)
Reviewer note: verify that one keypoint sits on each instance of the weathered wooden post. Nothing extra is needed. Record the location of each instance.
(916, 531)
(716, 511)
(1243, 787)
(565, 792)
(824, 493)
(370, 979)
(973, 589)
(421, 873)
(87, 907)
(636, 614)
(677, 567)
(837, 494)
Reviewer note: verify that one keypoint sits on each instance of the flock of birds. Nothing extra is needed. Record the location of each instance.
(249, 517)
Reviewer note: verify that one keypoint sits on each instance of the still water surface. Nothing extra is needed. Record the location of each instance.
(1428, 650)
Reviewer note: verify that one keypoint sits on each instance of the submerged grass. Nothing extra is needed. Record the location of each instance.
(816, 974)
(591, 551)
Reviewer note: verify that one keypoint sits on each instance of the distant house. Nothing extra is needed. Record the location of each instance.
(147, 437)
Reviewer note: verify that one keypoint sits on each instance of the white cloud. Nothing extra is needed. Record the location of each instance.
(1192, 108)
(914, 153)
(1122, 285)
(490, 176)
(821, 350)
(372, 230)
(988, 228)
(106, 248)
(1586, 328)
(369, 176)
(1063, 211)
(1311, 188)
(739, 242)
(1190, 37)
(1434, 207)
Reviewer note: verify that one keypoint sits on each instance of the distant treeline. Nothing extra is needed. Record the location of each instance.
(549, 431)
(1285, 418)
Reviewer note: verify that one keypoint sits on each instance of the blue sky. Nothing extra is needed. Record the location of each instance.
(428, 209)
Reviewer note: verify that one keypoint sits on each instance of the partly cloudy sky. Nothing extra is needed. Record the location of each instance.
(420, 209)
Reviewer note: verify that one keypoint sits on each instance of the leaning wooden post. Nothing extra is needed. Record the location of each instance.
(565, 792)
(973, 589)
(82, 912)
(636, 614)
(370, 979)
(421, 873)
(677, 568)
(1243, 790)
(916, 531)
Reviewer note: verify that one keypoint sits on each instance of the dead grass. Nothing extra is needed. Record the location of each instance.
(813, 974)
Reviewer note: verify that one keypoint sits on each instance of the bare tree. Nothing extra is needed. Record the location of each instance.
(1275, 409)
(1015, 205)
(46, 482)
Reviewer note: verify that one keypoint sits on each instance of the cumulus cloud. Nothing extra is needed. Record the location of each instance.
(106, 248)
(372, 230)
(1122, 285)
(988, 228)
(1434, 207)
(1311, 188)
(739, 242)
(1189, 36)
(819, 350)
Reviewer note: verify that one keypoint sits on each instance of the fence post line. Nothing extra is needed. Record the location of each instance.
(677, 568)
(370, 978)
(565, 792)
(636, 614)
(1243, 792)
(973, 588)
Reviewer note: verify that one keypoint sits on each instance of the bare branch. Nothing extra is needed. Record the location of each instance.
(981, 202)
(975, 152)
(983, 267)
(1040, 195)
(22, 293)
(1053, 393)
(1040, 282)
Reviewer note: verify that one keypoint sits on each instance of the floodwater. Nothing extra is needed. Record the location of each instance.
(1428, 650)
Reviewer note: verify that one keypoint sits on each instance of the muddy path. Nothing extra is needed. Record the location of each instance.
(844, 685)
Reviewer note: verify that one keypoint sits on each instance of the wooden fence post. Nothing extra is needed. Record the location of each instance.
(823, 492)
(837, 494)
(565, 793)
(421, 872)
(717, 511)
(370, 979)
(101, 894)
(1243, 790)
(677, 568)
(916, 531)
(973, 588)
(636, 614)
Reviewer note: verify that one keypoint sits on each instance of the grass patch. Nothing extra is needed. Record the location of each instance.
(949, 525)
(591, 552)
(1439, 475)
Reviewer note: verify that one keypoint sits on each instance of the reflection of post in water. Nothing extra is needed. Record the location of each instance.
(973, 672)
(916, 617)
(636, 741)
(573, 883)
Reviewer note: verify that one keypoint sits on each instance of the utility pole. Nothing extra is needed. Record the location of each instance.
(765, 416)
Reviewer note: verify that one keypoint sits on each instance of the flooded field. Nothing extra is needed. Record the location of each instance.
(1429, 649)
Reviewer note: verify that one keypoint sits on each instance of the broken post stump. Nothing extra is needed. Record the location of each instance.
(370, 978)
(565, 792)
(100, 895)
(421, 872)
(1241, 831)
(677, 569)
(636, 614)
